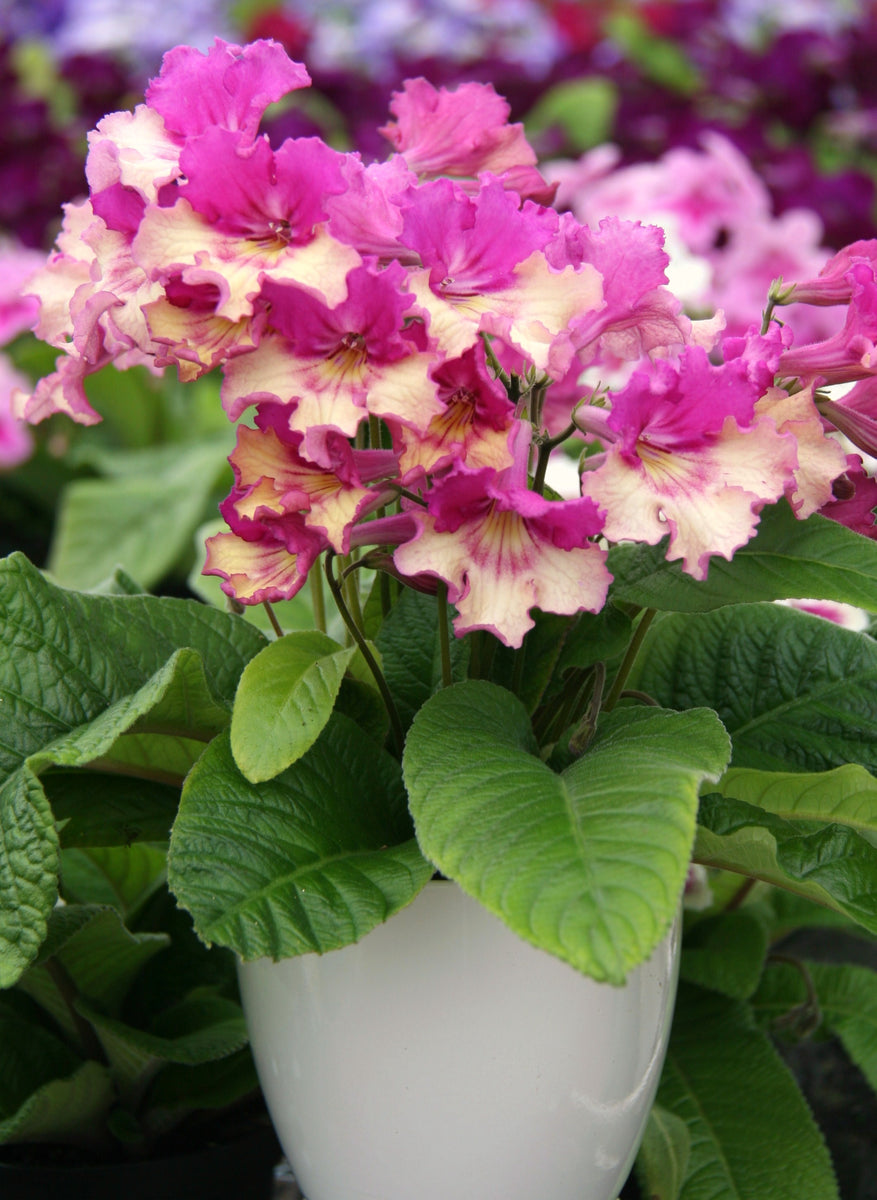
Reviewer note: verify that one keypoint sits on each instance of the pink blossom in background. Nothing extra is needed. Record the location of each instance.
(726, 244)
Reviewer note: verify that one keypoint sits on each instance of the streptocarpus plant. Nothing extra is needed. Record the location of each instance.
(557, 703)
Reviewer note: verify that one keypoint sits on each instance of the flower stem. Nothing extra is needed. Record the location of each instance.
(630, 657)
(444, 637)
(318, 600)
(365, 651)
(272, 617)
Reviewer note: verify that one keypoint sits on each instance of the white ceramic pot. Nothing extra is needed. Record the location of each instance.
(442, 1058)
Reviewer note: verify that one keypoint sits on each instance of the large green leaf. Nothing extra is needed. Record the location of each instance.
(284, 700)
(795, 692)
(588, 864)
(662, 1161)
(787, 559)
(143, 518)
(309, 861)
(31, 1054)
(829, 863)
(67, 1110)
(78, 675)
(847, 998)
(94, 809)
(99, 956)
(122, 877)
(752, 1135)
(847, 795)
(726, 952)
(212, 1028)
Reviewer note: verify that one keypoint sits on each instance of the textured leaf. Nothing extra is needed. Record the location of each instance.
(847, 1001)
(92, 809)
(31, 1054)
(846, 796)
(56, 673)
(142, 520)
(63, 1110)
(285, 697)
(99, 955)
(787, 559)
(217, 1031)
(69, 697)
(752, 1135)
(663, 1156)
(180, 1089)
(726, 953)
(28, 872)
(311, 860)
(588, 864)
(830, 864)
(122, 877)
(408, 641)
(794, 691)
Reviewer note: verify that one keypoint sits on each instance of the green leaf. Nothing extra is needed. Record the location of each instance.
(179, 1089)
(752, 1135)
(79, 674)
(122, 877)
(309, 861)
(830, 864)
(66, 656)
(786, 559)
(408, 642)
(99, 955)
(67, 1110)
(28, 872)
(588, 864)
(214, 1030)
(31, 1054)
(663, 1156)
(584, 109)
(847, 795)
(726, 953)
(92, 809)
(142, 519)
(285, 697)
(794, 691)
(847, 1001)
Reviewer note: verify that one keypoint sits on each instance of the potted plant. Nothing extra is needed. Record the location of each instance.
(531, 712)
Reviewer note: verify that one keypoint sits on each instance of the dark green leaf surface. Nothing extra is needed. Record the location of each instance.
(787, 559)
(752, 1135)
(795, 692)
(847, 1002)
(830, 864)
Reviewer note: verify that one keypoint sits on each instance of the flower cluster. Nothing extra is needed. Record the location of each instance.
(401, 336)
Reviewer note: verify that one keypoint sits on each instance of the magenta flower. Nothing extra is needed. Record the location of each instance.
(850, 354)
(463, 133)
(502, 549)
(691, 460)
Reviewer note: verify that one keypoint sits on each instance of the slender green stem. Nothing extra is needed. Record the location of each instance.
(544, 454)
(630, 657)
(494, 362)
(272, 617)
(584, 731)
(371, 661)
(374, 432)
(444, 636)
(318, 600)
